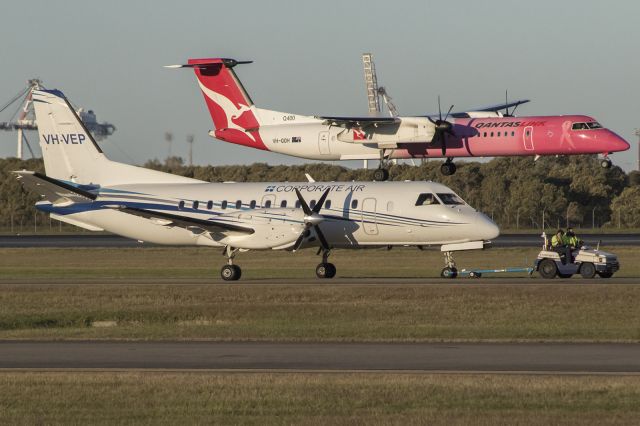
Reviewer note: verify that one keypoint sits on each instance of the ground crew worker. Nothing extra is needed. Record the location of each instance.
(572, 239)
(559, 244)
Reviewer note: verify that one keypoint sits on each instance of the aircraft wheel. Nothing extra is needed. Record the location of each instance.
(448, 168)
(381, 175)
(449, 272)
(605, 163)
(325, 270)
(230, 272)
(587, 270)
(547, 269)
(605, 274)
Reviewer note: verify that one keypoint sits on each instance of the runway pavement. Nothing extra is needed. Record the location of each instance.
(434, 357)
(106, 240)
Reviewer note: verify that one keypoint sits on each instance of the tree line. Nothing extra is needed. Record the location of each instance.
(517, 192)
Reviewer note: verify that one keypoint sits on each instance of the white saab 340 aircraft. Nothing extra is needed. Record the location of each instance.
(84, 188)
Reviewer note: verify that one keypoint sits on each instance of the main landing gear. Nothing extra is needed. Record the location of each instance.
(230, 272)
(448, 167)
(605, 163)
(382, 172)
(325, 269)
(450, 270)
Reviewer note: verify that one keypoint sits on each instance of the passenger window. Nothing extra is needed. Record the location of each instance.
(312, 204)
(327, 204)
(297, 204)
(513, 133)
(450, 198)
(238, 204)
(267, 204)
(390, 206)
(426, 199)
(252, 204)
(354, 204)
(210, 205)
(484, 135)
(498, 133)
(181, 205)
(283, 203)
(491, 134)
(224, 205)
(195, 205)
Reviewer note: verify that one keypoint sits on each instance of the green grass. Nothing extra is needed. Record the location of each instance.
(462, 312)
(292, 398)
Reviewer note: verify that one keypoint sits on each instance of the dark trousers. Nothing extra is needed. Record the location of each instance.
(565, 253)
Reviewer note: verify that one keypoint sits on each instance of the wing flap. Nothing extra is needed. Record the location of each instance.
(169, 219)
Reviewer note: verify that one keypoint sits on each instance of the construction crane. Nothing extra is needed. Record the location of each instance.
(374, 93)
(26, 118)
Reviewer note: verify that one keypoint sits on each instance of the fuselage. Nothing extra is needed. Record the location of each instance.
(472, 137)
(356, 214)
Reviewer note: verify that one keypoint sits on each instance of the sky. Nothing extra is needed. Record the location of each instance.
(566, 56)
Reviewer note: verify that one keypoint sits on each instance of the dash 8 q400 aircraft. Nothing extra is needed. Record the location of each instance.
(84, 188)
(481, 132)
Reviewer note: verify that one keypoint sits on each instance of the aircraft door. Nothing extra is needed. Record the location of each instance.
(528, 138)
(268, 201)
(323, 143)
(368, 216)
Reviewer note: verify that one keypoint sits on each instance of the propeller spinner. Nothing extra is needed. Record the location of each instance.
(312, 218)
(442, 126)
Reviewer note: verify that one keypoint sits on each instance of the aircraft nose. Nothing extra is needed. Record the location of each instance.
(617, 143)
(485, 228)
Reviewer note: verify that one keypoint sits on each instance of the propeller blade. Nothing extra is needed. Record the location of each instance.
(305, 207)
(439, 110)
(323, 240)
(318, 206)
(298, 242)
(506, 102)
(448, 112)
(443, 145)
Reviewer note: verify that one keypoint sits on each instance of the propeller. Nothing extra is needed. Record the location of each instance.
(442, 126)
(506, 104)
(312, 218)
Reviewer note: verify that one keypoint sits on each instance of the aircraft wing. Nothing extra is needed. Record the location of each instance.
(190, 223)
(358, 121)
(53, 190)
(490, 108)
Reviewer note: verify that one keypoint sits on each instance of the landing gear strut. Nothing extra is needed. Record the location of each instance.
(230, 272)
(382, 172)
(325, 269)
(448, 167)
(450, 270)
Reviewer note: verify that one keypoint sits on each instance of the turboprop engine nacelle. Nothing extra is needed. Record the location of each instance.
(409, 130)
(270, 229)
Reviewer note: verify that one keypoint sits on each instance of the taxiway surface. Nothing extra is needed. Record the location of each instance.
(435, 357)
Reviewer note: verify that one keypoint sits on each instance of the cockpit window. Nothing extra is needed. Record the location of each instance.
(426, 200)
(450, 198)
(586, 126)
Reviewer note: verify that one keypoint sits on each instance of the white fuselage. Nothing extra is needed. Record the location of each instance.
(356, 214)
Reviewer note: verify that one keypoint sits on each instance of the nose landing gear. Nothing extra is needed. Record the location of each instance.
(605, 163)
(450, 270)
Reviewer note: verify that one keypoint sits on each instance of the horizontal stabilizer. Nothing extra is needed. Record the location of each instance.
(53, 190)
